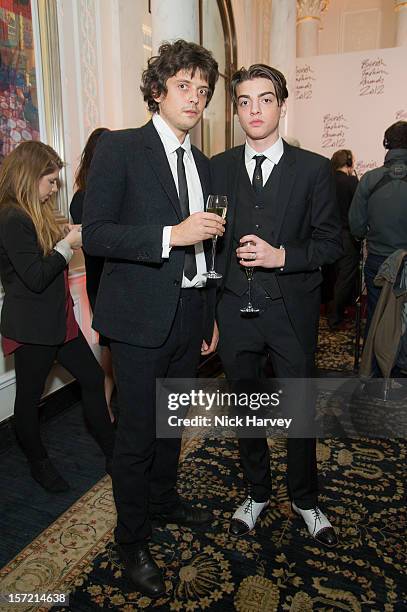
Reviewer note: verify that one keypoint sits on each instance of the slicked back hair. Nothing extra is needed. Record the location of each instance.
(171, 58)
(260, 71)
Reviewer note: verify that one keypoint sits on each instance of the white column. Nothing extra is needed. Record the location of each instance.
(172, 19)
(121, 59)
(308, 24)
(283, 53)
(401, 13)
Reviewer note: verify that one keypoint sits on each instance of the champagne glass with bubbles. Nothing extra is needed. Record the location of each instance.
(249, 308)
(218, 205)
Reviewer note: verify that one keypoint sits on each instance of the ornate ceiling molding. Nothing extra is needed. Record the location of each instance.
(399, 5)
(311, 9)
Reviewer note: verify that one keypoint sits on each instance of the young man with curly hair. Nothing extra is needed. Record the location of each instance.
(144, 212)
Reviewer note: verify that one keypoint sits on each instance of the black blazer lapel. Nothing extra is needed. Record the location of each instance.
(202, 165)
(287, 178)
(232, 166)
(155, 153)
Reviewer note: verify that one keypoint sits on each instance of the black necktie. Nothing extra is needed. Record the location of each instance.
(257, 180)
(190, 261)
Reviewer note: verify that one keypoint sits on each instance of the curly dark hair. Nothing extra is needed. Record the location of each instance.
(172, 57)
(81, 174)
(260, 71)
(395, 137)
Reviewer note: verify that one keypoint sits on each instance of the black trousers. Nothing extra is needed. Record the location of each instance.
(347, 269)
(242, 346)
(145, 468)
(33, 363)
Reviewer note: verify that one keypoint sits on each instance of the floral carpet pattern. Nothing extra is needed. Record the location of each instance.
(336, 349)
(276, 567)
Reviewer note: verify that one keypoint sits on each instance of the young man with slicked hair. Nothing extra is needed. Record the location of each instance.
(283, 223)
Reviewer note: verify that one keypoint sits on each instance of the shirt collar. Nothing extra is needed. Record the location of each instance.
(273, 153)
(168, 138)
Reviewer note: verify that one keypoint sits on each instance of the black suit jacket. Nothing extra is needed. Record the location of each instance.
(34, 288)
(306, 223)
(93, 265)
(130, 197)
(345, 190)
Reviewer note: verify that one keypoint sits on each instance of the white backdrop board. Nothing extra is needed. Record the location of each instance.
(347, 101)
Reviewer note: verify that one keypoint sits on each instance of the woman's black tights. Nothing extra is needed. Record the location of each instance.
(33, 363)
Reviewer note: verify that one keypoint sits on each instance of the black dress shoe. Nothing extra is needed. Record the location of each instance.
(142, 570)
(183, 515)
(245, 516)
(317, 524)
(47, 476)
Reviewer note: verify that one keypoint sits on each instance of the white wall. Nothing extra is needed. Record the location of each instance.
(347, 101)
(356, 25)
(102, 57)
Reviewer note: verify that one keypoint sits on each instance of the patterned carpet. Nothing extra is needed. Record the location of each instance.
(336, 349)
(277, 567)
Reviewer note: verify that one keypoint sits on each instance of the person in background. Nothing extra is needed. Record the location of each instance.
(93, 265)
(37, 319)
(294, 142)
(379, 210)
(346, 268)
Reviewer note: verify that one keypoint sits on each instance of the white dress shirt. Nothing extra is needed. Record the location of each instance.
(195, 194)
(273, 155)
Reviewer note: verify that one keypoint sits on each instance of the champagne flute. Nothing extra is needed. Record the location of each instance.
(249, 308)
(216, 204)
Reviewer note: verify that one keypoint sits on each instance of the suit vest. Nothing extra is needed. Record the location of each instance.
(254, 215)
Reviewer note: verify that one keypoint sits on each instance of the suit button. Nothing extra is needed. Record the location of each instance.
(257, 206)
(177, 283)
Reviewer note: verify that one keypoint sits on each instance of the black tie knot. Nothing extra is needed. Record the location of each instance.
(180, 153)
(257, 180)
(259, 160)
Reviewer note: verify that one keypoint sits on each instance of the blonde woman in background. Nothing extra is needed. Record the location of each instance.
(37, 320)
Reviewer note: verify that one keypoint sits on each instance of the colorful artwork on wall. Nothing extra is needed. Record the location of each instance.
(19, 120)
